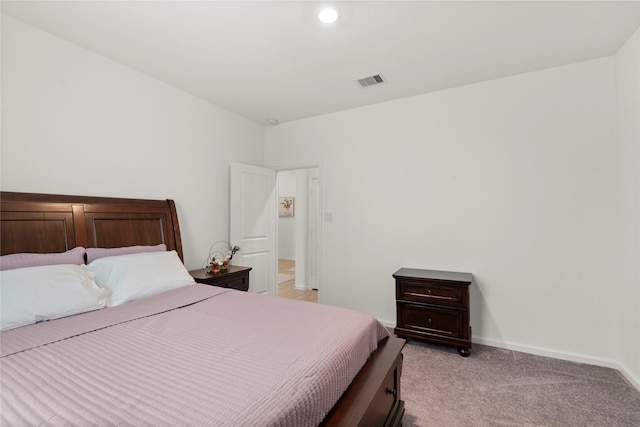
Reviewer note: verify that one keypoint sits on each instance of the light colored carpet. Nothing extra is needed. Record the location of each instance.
(497, 387)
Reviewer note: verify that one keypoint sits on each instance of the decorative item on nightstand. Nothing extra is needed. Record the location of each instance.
(220, 255)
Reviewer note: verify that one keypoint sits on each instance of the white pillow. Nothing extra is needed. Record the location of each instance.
(137, 276)
(32, 294)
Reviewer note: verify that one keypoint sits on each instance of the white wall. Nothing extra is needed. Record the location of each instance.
(515, 180)
(287, 225)
(529, 182)
(74, 122)
(302, 228)
(628, 91)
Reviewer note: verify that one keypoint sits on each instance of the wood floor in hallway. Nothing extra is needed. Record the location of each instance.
(287, 281)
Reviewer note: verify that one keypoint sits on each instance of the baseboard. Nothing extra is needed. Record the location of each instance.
(538, 351)
(571, 357)
(631, 379)
(388, 323)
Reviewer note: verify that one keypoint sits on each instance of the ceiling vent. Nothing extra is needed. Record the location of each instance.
(370, 81)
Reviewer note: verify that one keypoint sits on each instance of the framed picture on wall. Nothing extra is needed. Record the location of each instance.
(286, 206)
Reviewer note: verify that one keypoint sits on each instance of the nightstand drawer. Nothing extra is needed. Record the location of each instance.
(237, 277)
(430, 293)
(237, 283)
(431, 320)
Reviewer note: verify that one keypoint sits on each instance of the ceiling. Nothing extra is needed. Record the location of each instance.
(274, 59)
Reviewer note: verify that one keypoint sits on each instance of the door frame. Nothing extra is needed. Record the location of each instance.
(296, 166)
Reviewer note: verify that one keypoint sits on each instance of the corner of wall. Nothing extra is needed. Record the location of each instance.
(627, 61)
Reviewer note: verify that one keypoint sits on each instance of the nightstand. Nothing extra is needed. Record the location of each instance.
(236, 277)
(433, 306)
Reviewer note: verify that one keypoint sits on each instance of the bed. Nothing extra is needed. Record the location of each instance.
(187, 356)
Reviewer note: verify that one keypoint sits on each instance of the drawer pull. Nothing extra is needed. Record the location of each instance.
(422, 328)
(429, 320)
(392, 392)
(428, 294)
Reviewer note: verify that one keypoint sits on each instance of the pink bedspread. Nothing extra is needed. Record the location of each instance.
(225, 358)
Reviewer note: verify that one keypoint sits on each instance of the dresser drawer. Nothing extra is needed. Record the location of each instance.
(431, 293)
(431, 320)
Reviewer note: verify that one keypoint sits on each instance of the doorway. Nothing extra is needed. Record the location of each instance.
(298, 248)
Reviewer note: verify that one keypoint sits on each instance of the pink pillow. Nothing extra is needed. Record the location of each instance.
(13, 261)
(95, 253)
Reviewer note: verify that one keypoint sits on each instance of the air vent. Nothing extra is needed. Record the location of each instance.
(370, 81)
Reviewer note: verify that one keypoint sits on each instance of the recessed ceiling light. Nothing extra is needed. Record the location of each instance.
(328, 16)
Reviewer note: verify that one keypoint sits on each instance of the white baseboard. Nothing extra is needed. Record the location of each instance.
(633, 380)
(539, 351)
(571, 357)
(387, 323)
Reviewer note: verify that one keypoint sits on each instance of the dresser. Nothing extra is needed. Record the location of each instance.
(236, 277)
(433, 306)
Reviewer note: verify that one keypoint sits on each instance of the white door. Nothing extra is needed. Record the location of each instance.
(252, 223)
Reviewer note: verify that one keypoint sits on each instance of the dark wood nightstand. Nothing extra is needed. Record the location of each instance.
(236, 277)
(433, 306)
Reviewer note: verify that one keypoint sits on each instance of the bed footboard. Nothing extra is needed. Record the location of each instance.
(373, 398)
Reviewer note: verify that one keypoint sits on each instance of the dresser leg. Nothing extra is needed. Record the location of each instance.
(464, 352)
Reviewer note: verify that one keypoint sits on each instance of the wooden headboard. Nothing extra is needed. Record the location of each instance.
(48, 223)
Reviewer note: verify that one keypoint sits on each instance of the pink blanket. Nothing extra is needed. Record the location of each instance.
(223, 358)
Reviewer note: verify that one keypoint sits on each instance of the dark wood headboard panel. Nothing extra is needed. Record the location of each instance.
(47, 223)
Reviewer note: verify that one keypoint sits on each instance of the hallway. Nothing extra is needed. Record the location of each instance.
(287, 281)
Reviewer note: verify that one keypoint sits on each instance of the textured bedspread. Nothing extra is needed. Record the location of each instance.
(224, 358)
